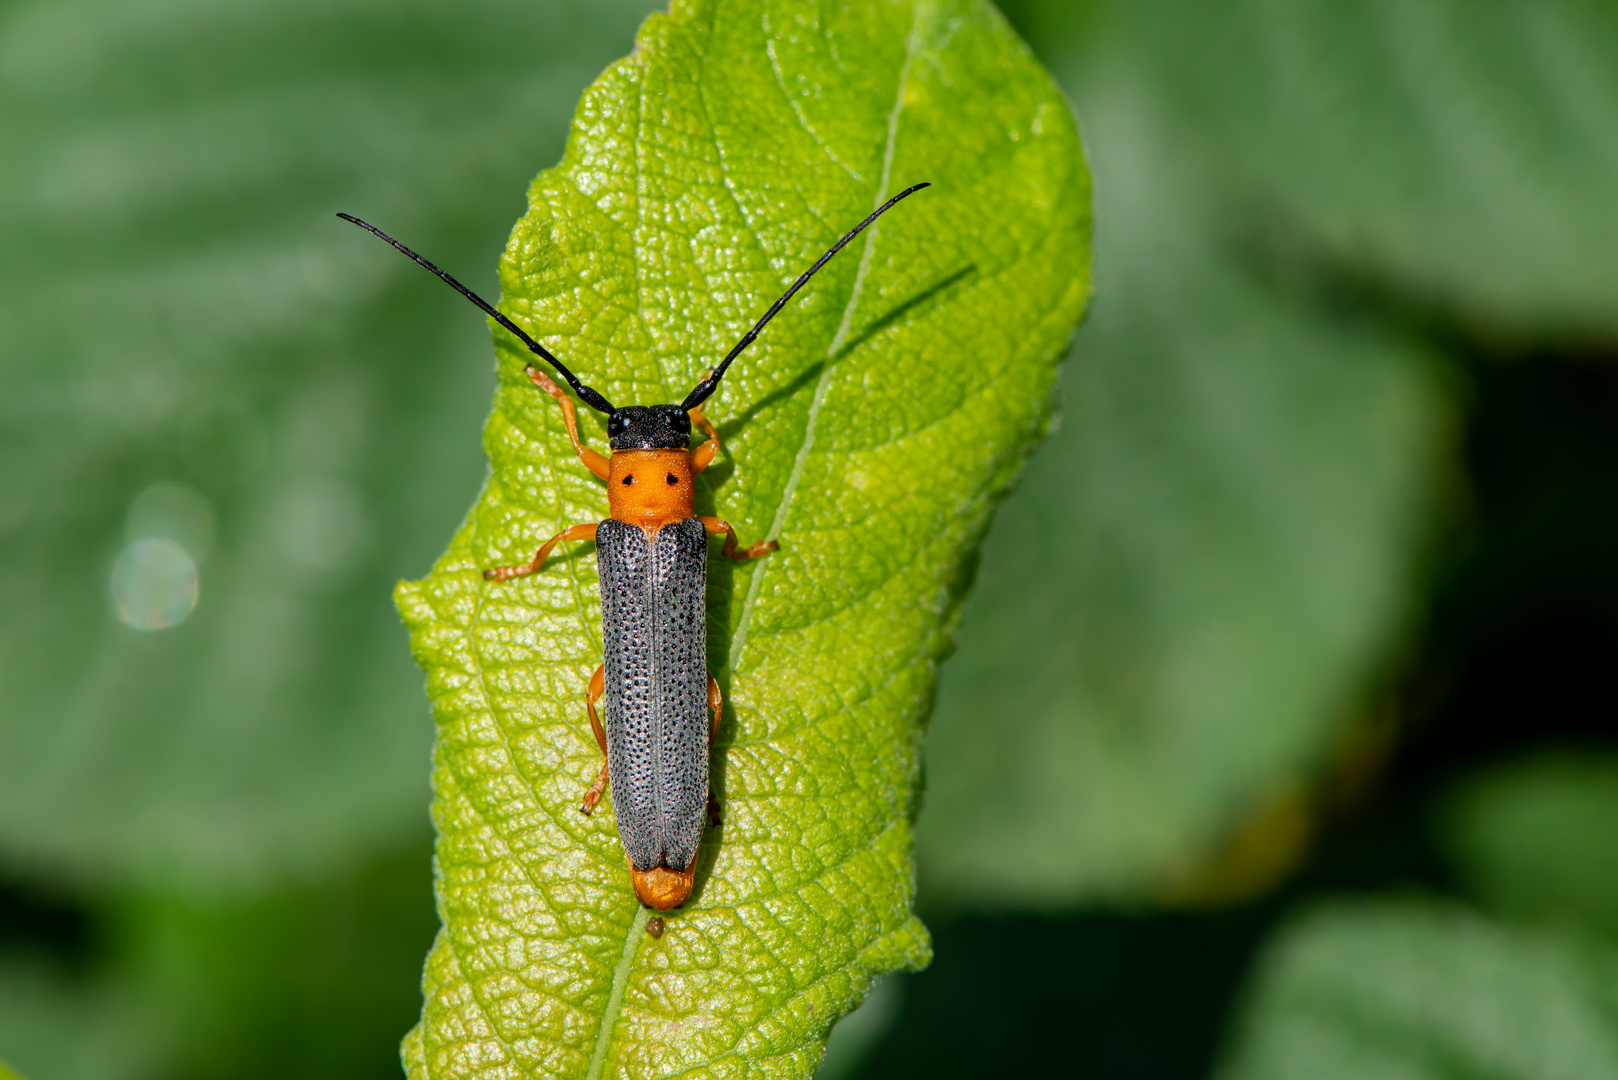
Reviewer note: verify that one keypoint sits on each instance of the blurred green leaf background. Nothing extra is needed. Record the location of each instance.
(1280, 738)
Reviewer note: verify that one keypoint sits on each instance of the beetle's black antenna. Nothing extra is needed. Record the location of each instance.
(586, 394)
(707, 386)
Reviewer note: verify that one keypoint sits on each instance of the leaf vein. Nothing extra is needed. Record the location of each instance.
(797, 110)
(739, 639)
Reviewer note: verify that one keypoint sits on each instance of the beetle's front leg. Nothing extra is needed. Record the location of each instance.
(594, 461)
(592, 694)
(703, 455)
(506, 573)
(732, 550)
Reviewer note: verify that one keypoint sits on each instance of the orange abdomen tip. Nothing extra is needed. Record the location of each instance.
(660, 888)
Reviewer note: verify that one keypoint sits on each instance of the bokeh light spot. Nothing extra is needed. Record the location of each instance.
(154, 584)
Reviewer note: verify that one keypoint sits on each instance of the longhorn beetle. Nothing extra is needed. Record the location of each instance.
(651, 554)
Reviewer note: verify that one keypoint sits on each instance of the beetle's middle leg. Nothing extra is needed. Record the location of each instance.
(716, 703)
(586, 531)
(592, 694)
(733, 550)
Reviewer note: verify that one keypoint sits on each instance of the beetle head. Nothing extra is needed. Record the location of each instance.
(649, 427)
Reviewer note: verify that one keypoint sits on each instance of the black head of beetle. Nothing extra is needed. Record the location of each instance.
(649, 427)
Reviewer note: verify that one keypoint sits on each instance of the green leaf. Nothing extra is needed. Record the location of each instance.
(1459, 154)
(1422, 992)
(55, 1022)
(861, 1031)
(197, 351)
(869, 430)
(1535, 839)
(315, 982)
(1174, 642)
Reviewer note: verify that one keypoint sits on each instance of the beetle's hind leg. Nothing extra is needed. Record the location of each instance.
(716, 703)
(506, 573)
(733, 550)
(592, 694)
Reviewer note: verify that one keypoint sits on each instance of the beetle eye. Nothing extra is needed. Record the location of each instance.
(673, 479)
(628, 480)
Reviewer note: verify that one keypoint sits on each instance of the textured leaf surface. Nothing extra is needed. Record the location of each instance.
(1176, 640)
(195, 350)
(1427, 993)
(869, 431)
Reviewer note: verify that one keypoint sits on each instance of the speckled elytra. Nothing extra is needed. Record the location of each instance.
(662, 704)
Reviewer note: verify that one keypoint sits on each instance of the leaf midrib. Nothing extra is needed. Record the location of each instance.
(738, 642)
(620, 982)
(631, 949)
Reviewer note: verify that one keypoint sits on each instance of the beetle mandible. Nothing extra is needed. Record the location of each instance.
(662, 704)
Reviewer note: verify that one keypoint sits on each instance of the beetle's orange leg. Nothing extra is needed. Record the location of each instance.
(593, 461)
(592, 695)
(716, 702)
(703, 455)
(586, 531)
(732, 551)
